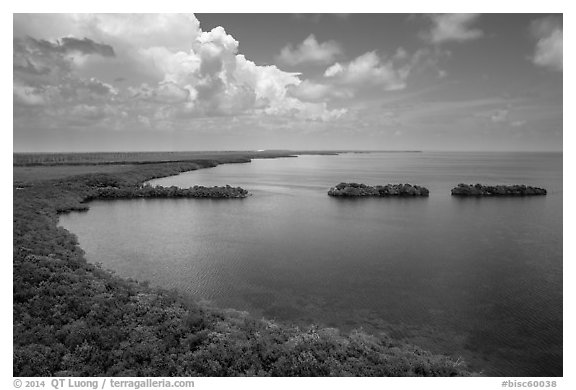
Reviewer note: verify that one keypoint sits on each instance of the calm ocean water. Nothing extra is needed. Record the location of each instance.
(476, 278)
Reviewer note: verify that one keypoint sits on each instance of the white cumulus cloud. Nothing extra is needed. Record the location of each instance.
(310, 51)
(549, 36)
(172, 71)
(175, 31)
(452, 27)
(370, 69)
(317, 91)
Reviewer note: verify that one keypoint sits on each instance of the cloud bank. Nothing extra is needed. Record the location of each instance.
(175, 71)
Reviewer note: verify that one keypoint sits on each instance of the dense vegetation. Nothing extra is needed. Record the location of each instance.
(74, 318)
(147, 191)
(33, 159)
(498, 190)
(113, 158)
(359, 190)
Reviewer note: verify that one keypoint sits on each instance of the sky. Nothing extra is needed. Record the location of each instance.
(143, 82)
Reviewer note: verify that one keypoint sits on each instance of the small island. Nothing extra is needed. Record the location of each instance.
(360, 190)
(498, 190)
(148, 191)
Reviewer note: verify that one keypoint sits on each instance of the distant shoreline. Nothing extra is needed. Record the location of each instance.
(24, 159)
(143, 158)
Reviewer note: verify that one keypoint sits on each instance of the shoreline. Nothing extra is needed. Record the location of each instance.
(47, 258)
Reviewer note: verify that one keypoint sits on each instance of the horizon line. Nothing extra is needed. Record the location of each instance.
(297, 150)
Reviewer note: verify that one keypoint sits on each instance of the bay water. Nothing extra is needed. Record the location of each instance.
(476, 278)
